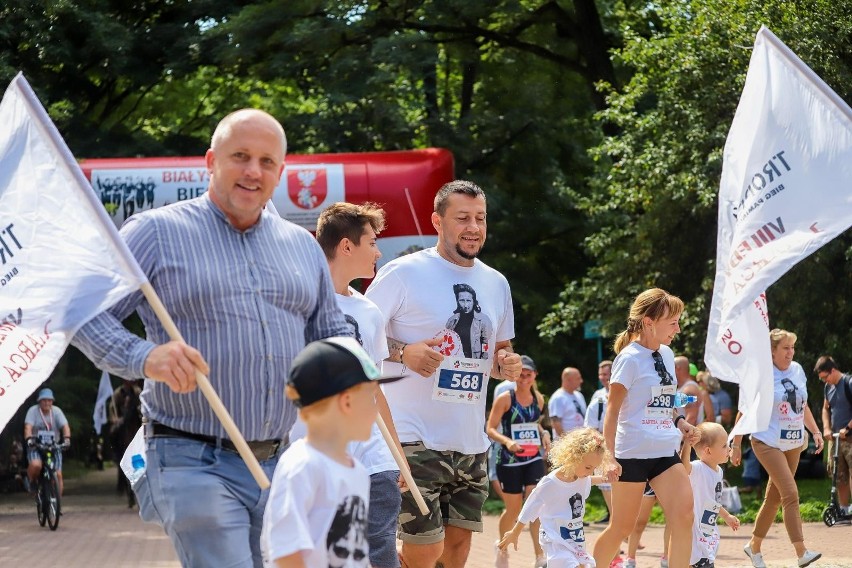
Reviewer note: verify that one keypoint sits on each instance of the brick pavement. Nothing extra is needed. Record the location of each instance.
(99, 530)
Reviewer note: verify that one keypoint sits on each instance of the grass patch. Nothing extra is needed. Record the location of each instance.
(73, 469)
(813, 498)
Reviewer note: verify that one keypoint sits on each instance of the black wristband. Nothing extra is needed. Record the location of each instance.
(678, 417)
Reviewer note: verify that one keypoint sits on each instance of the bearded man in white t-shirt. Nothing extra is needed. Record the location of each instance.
(567, 407)
(439, 408)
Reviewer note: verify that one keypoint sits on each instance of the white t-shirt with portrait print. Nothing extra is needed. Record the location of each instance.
(416, 296)
(706, 485)
(367, 323)
(561, 506)
(316, 506)
(645, 427)
(786, 429)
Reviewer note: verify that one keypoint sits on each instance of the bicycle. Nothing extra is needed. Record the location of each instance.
(48, 505)
(834, 513)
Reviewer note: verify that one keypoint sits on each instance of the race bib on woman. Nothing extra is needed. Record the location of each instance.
(791, 428)
(662, 402)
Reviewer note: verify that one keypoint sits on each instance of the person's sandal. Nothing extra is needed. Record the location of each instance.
(755, 557)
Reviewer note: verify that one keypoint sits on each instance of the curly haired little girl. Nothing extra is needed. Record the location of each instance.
(575, 456)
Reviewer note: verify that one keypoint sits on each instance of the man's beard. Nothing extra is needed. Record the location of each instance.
(467, 255)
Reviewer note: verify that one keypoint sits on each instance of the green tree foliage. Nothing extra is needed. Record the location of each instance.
(653, 198)
(509, 87)
(119, 78)
(596, 127)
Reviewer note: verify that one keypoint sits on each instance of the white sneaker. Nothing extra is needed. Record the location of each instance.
(541, 561)
(664, 563)
(756, 557)
(502, 557)
(809, 557)
(629, 563)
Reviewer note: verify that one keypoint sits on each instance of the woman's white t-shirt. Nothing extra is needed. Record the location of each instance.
(786, 429)
(707, 500)
(317, 506)
(560, 505)
(417, 296)
(645, 427)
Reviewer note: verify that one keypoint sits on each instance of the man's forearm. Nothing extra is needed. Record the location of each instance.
(394, 348)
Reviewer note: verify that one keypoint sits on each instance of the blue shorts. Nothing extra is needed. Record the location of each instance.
(385, 501)
(34, 455)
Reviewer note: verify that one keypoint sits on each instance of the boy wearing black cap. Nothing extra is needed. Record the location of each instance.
(316, 515)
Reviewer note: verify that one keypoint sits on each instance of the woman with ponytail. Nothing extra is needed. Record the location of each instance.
(643, 429)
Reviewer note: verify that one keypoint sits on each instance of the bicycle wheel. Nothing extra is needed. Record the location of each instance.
(41, 499)
(52, 504)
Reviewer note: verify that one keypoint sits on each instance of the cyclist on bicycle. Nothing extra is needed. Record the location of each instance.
(45, 423)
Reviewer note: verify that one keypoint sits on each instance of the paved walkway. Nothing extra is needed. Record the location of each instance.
(98, 530)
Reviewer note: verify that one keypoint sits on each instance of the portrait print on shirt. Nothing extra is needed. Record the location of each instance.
(347, 536)
(473, 328)
(353, 323)
(576, 502)
(792, 396)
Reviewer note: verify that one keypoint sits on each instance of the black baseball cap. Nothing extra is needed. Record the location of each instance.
(329, 366)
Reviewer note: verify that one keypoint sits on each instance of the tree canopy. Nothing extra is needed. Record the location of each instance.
(595, 127)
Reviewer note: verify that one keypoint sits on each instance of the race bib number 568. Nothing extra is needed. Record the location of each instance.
(460, 380)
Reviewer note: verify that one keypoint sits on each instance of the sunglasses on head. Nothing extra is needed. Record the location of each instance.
(660, 367)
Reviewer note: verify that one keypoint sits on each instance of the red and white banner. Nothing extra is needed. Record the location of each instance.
(786, 190)
(403, 182)
(61, 259)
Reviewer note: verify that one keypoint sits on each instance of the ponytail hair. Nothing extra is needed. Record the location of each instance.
(654, 303)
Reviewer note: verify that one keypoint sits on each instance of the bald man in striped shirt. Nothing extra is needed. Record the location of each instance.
(248, 290)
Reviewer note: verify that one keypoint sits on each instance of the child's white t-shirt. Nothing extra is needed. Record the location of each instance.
(786, 429)
(560, 506)
(707, 500)
(417, 296)
(366, 322)
(645, 428)
(318, 507)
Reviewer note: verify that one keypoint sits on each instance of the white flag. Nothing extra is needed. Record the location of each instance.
(99, 416)
(61, 259)
(786, 190)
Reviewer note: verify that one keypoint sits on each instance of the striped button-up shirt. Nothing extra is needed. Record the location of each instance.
(249, 301)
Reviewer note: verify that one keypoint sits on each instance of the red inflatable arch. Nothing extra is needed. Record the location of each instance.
(404, 183)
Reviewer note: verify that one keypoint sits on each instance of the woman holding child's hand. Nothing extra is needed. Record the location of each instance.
(643, 432)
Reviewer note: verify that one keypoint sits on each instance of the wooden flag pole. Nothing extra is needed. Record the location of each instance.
(209, 393)
(403, 466)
